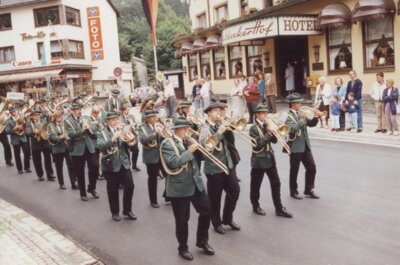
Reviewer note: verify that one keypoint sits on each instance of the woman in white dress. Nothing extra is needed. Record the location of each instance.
(238, 105)
(289, 77)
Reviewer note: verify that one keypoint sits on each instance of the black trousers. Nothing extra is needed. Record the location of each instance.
(216, 183)
(308, 161)
(342, 119)
(37, 162)
(78, 163)
(97, 161)
(17, 155)
(6, 147)
(59, 162)
(29, 146)
(251, 109)
(135, 154)
(257, 176)
(114, 180)
(152, 172)
(181, 209)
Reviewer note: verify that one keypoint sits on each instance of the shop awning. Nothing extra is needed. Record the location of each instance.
(373, 9)
(29, 76)
(213, 41)
(186, 48)
(334, 15)
(199, 45)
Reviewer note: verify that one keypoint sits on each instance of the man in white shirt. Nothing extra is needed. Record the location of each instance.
(377, 93)
(169, 93)
(205, 93)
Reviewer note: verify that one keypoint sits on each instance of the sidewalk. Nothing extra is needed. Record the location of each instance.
(25, 240)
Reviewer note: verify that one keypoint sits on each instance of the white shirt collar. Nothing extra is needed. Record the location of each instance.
(260, 122)
(210, 122)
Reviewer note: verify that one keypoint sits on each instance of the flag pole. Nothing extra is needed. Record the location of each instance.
(155, 57)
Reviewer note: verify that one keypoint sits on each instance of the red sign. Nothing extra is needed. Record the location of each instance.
(95, 36)
(117, 71)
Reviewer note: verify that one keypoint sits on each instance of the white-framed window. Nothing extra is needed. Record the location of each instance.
(7, 54)
(339, 49)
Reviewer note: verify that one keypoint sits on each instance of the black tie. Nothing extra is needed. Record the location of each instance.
(185, 144)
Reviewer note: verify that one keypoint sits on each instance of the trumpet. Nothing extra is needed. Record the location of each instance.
(210, 145)
(195, 119)
(311, 112)
(238, 127)
(281, 132)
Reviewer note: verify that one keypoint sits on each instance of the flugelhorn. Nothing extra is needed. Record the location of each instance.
(238, 127)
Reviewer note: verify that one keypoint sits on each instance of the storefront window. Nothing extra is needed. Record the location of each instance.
(5, 21)
(378, 43)
(339, 49)
(202, 21)
(205, 64)
(73, 16)
(55, 49)
(221, 13)
(7, 54)
(43, 15)
(192, 66)
(75, 49)
(219, 63)
(235, 61)
(254, 59)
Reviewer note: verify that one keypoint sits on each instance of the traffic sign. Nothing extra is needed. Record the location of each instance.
(117, 71)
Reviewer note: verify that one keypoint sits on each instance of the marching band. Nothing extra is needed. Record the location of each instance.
(106, 140)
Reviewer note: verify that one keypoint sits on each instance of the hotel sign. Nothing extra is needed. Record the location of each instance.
(256, 29)
(95, 35)
(270, 27)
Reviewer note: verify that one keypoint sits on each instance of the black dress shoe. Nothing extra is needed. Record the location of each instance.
(10, 164)
(186, 255)
(74, 187)
(116, 217)
(219, 229)
(259, 211)
(341, 129)
(21, 172)
(284, 213)
(233, 225)
(296, 196)
(28, 170)
(62, 187)
(378, 130)
(359, 130)
(384, 131)
(41, 178)
(94, 193)
(348, 129)
(51, 178)
(206, 247)
(155, 205)
(136, 169)
(84, 198)
(130, 216)
(311, 194)
(100, 178)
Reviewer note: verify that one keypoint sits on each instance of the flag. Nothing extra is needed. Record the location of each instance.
(150, 8)
(46, 48)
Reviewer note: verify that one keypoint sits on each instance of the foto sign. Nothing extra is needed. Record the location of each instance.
(15, 95)
(95, 35)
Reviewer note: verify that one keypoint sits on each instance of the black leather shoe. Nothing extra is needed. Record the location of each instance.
(378, 130)
(155, 205)
(28, 170)
(10, 164)
(186, 255)
(94, 193)
(359, 130)
(100, 178)
(259, 211)
(41, 178)
(296, 196)
(21, 172)
(130, 216)
(284, 213)
(384, 131)
(74, 187)
(84, 198)
(136, 169)
(62, 187)
(233, 225)
(342, 129)
(207, 248)
(116, 217)
(311, 194)
(51, 178)
(219, 229)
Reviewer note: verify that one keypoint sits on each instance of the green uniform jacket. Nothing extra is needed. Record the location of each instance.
(299, 127)
(80, 139)
(96, 126)
(35, 144)
(263, 154)
(118, 159)
(15, 139)
(175, 156)
(223, 155)
(110, 106)
(151, 154)
(58, 145)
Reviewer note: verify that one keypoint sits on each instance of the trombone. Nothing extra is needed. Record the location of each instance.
(209, 145)
(238, 127)
(311, 112)
(281, 132)
(195, 119)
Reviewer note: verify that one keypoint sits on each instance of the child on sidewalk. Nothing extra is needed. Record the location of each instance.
(353, 106)
(335, 111)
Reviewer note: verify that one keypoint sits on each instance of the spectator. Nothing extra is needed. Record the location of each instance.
(335, 109)
(205, 92)
(169, 94)
(261, 86)
(242, 82)
(238, 103)
(353, 106)
(198, 102)
(322, 99)
(377, 93)
(270, 92)
(355, 86)
(209, 84)
(251, 95)
(289, 77)
(390, 99)
(340, 92)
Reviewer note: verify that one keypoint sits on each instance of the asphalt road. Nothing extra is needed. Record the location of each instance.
(356, 221)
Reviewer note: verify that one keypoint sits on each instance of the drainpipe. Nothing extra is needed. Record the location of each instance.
(208, 13)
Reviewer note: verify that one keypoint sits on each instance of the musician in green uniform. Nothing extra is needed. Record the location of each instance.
(129, 119)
